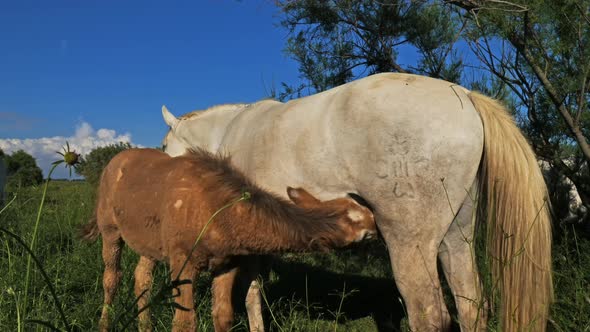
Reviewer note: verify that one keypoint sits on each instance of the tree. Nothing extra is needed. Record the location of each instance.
(543, 56)
(339, 40)
(534, 55)
(93, 163)
(22, 170)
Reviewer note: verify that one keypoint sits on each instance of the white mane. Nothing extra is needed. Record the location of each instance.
(222, 108)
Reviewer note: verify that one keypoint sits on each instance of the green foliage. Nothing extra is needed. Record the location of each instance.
(22, 170)
(306, 292)
(93, 163)
(337, 41)
(2, 175)
(533, 55)
(540, 51)
(572, 277)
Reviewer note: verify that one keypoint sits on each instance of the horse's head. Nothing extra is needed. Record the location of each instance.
(356, 220)
(198, 129)
(172, 145)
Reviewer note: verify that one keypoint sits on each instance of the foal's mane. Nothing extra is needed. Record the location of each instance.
(269, 209)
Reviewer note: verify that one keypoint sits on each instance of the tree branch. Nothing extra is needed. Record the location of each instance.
(553, 94)
(582, 95)
(468, 5)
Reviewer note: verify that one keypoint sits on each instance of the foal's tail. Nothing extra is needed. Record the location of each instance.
(89, 231)
(518, 220)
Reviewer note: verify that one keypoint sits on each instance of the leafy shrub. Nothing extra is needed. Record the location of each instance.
(22, 170)
(93, 163)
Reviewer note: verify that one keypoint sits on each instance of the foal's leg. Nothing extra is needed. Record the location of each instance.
(223, 310)
(184, 319)
(143, 284)
(413, 257)
(111, 255)
(457, 257)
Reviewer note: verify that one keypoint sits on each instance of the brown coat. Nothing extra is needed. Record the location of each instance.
(158, 205)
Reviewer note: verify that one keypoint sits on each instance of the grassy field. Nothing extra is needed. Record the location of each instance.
(350, 290)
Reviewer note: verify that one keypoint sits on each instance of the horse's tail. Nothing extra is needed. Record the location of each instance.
(89, 231)
(518, 220)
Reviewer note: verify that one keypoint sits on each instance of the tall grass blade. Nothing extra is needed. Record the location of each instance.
(43, 323)
(43, 273)
(28, 273)
(8, 204)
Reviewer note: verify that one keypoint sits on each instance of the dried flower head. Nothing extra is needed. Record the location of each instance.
(70, 158)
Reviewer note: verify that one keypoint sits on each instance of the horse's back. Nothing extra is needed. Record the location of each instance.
(133, 159)
(142, 178)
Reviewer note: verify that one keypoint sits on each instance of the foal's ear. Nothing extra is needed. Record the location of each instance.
(301, 197)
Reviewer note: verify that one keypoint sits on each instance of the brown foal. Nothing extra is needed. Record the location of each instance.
(158, 205)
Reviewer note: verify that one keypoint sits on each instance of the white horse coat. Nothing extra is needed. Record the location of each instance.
(576, 209)
(412, 147)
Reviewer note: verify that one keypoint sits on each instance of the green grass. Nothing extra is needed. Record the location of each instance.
(351, 290)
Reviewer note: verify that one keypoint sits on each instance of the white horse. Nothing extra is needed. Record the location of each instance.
(576, 210)
(421, 151)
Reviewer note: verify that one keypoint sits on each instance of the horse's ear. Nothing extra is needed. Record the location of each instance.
(169, 118)
(301, 197)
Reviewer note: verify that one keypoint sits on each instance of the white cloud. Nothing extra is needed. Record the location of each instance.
(84, 140)
(84, 130)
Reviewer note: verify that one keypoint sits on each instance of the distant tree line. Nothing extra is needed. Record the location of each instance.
(21, 169)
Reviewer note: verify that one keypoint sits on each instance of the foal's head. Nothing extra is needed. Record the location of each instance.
(356, 220)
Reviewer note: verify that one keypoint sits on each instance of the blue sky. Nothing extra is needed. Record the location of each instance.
(70, 68)
(97, 72)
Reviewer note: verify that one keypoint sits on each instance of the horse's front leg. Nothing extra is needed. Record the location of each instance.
(184, 319)
(250, 267)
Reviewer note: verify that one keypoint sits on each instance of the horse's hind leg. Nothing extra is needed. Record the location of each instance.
(222, 289)
(112, 243)
(413, 259)
(457, 257)
(143, 284)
